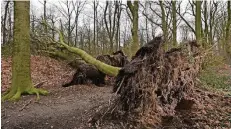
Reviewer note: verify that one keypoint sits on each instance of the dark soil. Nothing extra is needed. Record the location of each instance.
(63, 108)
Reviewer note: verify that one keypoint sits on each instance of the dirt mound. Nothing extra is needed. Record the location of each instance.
(43, 69)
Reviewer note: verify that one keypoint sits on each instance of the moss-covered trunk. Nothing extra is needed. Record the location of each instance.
(198, 21)
(105, 68)
(21, 74)
(134, 9)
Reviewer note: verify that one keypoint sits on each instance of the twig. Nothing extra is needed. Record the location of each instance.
(119, 86)
(39, 84)
(25, 105)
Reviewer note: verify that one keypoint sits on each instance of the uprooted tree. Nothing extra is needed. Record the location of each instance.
(21, 74)
(155, 83)
(105, 68)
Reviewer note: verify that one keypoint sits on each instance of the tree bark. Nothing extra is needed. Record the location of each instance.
(198, 22)
(134, 8)
(163, 20)
(4, 22)
(228, 21)
(206, 31)
(45, 15)
(21, 74)
(174, 21)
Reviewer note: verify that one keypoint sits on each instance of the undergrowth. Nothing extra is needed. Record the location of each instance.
(213, 79)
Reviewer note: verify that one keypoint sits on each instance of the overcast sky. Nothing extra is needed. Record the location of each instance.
(87, 14)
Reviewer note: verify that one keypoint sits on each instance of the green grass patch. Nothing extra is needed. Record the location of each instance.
(212, 79)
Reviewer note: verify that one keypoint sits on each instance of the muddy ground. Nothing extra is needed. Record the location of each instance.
(73, 107)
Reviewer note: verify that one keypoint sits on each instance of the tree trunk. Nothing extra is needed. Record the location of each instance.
(21, 74)
(174, 33)
(4, 22)
(134, 11)
(10, 27)
(198, 22)
(163, 20)
(44, 15)
(227, 36)
(94, 46)
(228, 21)
(105, 68)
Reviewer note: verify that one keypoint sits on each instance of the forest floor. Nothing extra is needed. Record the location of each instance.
(73, 107)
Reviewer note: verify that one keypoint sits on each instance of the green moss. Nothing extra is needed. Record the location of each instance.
(105, 68)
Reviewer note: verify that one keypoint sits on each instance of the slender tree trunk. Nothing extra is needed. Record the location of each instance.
(10, 26)
(134, 11)
(45, 15)
(211, 21)
(94, 45)
(118, 26)
(206, 31)
(33, 24)
(163, 20)
(4, 22)
(76, 30)
(174, 33)
(227, 36)
(228, 21)
(53, 25)
(146, 22)
(198, 21)
(21, 74)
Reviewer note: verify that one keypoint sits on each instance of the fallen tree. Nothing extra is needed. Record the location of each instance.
(155, 83)
(105, 68)
(89, 73)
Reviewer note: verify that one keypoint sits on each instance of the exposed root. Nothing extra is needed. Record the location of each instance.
(14, 95)
(155, 82)
(37, 92)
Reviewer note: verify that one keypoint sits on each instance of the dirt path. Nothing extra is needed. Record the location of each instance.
(63, 108)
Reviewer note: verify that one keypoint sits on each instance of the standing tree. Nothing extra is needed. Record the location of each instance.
(21, 74)
(163, 20)
(198, 21)
(174, 21)
(134, 8)
(228, 22)
(45, 14)
(78, 8)
(111, 23)
(4, 22)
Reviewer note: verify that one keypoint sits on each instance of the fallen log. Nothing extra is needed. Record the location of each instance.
(86, 72)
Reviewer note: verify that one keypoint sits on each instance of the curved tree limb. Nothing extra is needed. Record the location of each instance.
(105, 68)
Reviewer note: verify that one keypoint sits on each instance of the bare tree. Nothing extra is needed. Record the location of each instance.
(119, 5)
(78, 8)
(67, 14)
(110, 21)
(174, 23)
(134, 8)
(4, 22)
